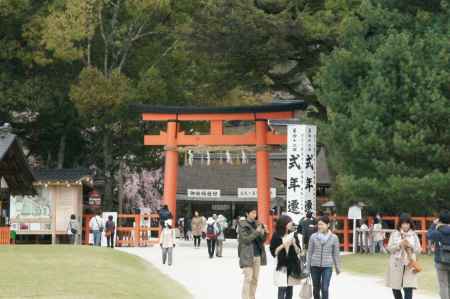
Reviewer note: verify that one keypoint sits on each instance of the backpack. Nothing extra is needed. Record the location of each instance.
(444, 254)
(211, 232)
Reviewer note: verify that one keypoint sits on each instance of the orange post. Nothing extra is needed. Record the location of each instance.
(346, 235)
(423, 223)
(262, 172)
(171, 169)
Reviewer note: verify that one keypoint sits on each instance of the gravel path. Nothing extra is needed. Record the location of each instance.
(222, 279)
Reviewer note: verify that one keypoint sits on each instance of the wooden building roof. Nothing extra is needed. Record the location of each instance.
(14, 167)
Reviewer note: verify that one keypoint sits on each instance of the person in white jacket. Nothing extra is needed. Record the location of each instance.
(167, 241)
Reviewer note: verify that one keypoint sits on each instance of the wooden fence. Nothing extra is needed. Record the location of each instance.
(5, 238)
(344, 229)
(131, 230)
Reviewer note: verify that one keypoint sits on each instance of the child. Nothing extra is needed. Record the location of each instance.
(167, 241)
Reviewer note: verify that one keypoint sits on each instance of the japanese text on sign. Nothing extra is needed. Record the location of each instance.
(301, 171)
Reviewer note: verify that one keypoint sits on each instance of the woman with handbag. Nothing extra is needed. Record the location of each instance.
(403, 246)
(285, 247)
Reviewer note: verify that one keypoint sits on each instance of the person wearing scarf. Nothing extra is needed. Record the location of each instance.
(403, 247)
(285, 247)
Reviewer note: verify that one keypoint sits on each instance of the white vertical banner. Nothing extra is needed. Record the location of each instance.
(301, 171)
(309, 169)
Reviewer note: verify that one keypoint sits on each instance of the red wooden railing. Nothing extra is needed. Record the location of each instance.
(129, 231)
(345, 229)
(5, 238)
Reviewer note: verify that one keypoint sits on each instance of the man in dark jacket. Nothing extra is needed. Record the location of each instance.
(164, 214)
(307, 227)
(439, 234)
(252, 253)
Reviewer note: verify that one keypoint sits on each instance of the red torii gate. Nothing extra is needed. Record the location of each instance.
(261, 138)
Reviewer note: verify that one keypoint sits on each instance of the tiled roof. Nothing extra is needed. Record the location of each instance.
(6, 140)
(65, 174)
(14, 167)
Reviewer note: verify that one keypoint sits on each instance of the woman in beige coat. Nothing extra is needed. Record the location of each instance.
(197, 229)
(403, 247)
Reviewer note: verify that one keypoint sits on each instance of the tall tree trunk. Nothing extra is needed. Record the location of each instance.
(62, 151)
(49, 159)
(107, 160)
(120, 186)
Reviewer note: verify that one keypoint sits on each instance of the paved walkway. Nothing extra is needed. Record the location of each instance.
(221, 278)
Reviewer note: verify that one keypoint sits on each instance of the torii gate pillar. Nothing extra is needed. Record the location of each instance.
(262, 172)
(171, 168)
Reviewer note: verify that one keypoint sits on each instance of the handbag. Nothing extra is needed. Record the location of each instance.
(306, 291)
(412, 264)
(72, 230)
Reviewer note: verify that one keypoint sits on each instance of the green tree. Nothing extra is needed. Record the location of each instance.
(387, 92)
(269, 45)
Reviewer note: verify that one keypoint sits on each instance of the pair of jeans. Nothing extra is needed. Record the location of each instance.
(408, 293)
(285, 292)
(321, 277)
(167, 255)
(110, 240)
(443, 274)
(211, 247)
(74, 239)
(97, 238)
(197, 240)
(378, 246)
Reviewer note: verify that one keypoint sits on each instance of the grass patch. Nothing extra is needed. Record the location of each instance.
(80, 272)
(376, 265)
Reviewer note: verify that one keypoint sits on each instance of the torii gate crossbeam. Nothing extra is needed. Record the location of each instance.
(261, 138)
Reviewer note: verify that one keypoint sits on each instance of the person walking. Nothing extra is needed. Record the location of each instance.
(323, 254)
(110, 231)
(306, 227)
(96, 227)
(285, 247)
(403, 247)
(222, 225)
(252, 253)
(197, 229)
(167, 242)
(439, 234)
(212, 232)
(378, 237)
(73, 229)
